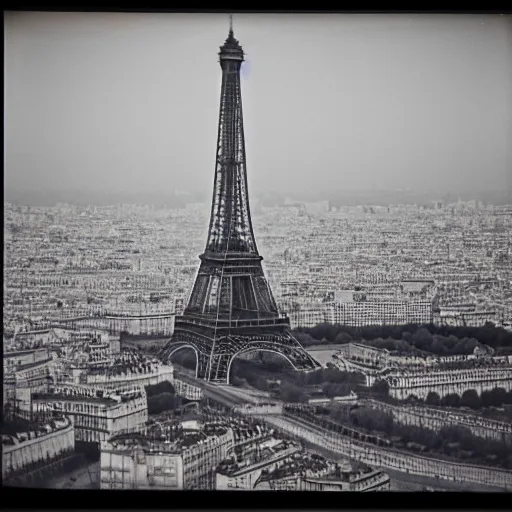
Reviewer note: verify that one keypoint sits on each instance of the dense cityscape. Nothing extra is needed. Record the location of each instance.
(450, 264)
(356, 348)
(90, 296)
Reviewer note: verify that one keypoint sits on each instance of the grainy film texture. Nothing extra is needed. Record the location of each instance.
(347, 325)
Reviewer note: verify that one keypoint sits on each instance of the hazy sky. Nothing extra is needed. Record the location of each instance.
(129, 102)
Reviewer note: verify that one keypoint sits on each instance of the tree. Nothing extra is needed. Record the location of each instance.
(335, 375)
(388, 344)
(450, 342)
(407, 336)
(486, 399)
(433, 398)
(332, 332)
(498, 396)
(380, 387)
(237, 381)
(422, 338)
(162, 402)
(451, 400)
(470, 346)
(458, 434)
(162, 387)
(261, 384)
(304, 339)
(319, 332)
(438, 347)
(332, 389)
(291, 393)
(403, 346)
(465, 346)
(471, 399)
(372, 419)
(186, 358)
(343, 337)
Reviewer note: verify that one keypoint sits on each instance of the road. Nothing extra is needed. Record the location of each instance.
(323, 354)
(408, 482)
(245, 395)
(85, 476)
(316, 441)
(224, 393)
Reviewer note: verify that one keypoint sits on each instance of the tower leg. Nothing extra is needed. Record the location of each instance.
(202, 366)
(202, 358)
(219, 367)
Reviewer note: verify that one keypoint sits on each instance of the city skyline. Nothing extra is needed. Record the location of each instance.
(107, 130)
(370, 351)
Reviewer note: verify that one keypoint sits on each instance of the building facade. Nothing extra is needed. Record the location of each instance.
(188, 390)
(403, 384)
(150, 375)
(96, 415)
(244, 475)
(398, 312)
(185, 461)
(44, 444)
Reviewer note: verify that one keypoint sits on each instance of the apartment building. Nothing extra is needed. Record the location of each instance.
(186, 459)
(96, 414)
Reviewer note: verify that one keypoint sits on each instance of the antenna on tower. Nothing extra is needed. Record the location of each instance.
(231, 24)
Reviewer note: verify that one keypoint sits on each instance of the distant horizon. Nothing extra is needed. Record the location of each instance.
(182, 198)
(107, 103)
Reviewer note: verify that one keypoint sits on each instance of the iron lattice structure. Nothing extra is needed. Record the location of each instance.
(231, 309)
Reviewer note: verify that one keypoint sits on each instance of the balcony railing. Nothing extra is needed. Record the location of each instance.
(231, 324)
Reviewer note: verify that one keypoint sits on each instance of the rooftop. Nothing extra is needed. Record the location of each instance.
(27, 366)
(259, 457)
(73, 393)
(14, 432)
(305, 463)
(168, 437)
(73, 398)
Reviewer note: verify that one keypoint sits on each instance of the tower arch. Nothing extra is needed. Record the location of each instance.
(251, 349)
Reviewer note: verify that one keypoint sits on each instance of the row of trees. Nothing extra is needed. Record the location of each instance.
(422, 341)
(451, 440)
(162, 397)
(256, 374)
(163, 402)
(162, 387)
(294, 386)
(470, 398)
(431, 338)
(496, 397)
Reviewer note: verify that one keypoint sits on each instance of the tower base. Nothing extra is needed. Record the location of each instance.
(215, 354)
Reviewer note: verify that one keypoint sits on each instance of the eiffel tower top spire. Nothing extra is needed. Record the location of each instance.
(231, 49)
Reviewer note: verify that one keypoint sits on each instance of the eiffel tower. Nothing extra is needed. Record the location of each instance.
(231, 309)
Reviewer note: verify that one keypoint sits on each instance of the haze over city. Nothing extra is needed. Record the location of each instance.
(116, 107)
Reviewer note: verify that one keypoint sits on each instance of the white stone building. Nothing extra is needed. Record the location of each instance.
(185, 460)
(42, 444)
(96, 415)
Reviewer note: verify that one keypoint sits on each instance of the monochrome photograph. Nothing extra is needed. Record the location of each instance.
(257, 252)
